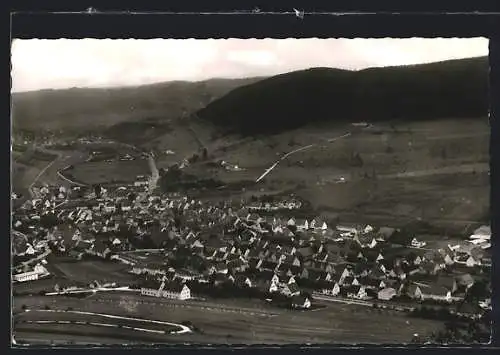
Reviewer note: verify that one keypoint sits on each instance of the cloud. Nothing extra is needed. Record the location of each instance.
(39, 64)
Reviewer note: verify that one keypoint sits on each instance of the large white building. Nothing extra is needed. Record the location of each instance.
(175, 291)
(35, 274)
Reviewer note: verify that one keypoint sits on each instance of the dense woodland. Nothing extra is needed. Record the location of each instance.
(450, 89)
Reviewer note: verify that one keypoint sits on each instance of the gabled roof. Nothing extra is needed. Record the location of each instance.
(446, 281)
(299, 300)
(173, 286)
(465, 279)
(435, 290)
(293, 287)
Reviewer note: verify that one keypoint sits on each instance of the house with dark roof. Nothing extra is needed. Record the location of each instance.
(100, 249)
(386, 294)
(237, 265)
(333, 290)
(290, 289)
(243, 281)
(300, 302)
(464, 281)
(267, 265)
(436, 291)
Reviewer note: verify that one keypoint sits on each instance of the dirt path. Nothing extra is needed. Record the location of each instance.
(331, 140)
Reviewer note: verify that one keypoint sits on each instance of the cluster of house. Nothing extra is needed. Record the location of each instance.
(481, 237)
(230, 243)
(275, 206)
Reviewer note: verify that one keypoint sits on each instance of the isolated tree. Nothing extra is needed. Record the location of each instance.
(204, 154)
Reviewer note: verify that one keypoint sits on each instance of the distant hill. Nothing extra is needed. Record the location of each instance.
(84, 108)
(455, 88)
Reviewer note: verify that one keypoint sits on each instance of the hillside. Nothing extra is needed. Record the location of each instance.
(82, 108)
(456, 88)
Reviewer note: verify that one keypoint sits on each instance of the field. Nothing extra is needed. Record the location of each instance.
(436, 171)
(106, 172)
(89, 271)
(40, 171)
(35, 287)
(246, 323)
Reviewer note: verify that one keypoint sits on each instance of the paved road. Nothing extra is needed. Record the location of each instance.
(68, 158)
(30, 187)
(182, 328)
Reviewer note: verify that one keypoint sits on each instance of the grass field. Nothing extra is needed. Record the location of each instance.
(99, 334)
(105, 172)
(435, 170)
(34, 287)
(219, 323)
(88, 271)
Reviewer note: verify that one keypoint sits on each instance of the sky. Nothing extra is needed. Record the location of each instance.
(65, 63)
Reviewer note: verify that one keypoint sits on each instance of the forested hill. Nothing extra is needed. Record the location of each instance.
(452, 89)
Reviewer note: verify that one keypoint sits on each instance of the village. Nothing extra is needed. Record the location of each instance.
(181, 248)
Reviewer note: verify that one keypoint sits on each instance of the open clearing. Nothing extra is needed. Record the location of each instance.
(106, 172)
(34, 287)
(89, 271)
(436, 171)
(218, 323)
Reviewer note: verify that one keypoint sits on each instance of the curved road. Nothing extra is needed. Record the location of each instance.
(59, 157)
(183, 328)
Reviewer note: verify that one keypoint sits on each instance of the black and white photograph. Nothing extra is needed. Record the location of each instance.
(250, 191)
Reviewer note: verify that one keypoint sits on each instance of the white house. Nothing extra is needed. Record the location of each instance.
(358, 292)
(30, 250)
(417, 244)
(471, 262)
(38, 271)
(368, 229)
(301, 302)
(335, 290)
(386, 294)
